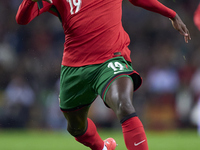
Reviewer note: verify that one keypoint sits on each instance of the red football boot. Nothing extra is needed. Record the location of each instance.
(110, 143)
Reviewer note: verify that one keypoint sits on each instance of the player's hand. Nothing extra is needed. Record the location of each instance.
(49, 1)
(181, 27)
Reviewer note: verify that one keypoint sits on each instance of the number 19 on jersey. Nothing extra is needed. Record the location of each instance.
(75, 6)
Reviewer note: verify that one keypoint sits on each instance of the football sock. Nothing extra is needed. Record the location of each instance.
(133, 132)
(91, 137)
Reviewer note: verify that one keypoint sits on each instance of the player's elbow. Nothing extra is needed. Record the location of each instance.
(20, 21)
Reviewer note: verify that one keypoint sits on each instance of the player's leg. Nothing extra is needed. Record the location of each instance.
(76, 96)
(76, 121)
(119, 99)
(83, 128)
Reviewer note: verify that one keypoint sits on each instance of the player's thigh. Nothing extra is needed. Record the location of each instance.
(119, 91)
(77, 117)
(119, 97)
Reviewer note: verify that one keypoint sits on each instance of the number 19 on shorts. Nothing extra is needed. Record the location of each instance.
(116, 66)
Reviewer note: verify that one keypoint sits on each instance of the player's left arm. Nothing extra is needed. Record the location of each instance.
(157, 7)
(29, 9)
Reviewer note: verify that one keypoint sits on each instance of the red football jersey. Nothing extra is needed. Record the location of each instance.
(93, 28)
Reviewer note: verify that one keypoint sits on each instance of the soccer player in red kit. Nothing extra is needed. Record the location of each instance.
(96, 61)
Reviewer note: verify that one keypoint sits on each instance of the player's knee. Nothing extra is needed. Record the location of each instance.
(76, 130)
(123, 105)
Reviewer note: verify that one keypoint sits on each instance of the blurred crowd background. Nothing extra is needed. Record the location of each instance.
(30, 58)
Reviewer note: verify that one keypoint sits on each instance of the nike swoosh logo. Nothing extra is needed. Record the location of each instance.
(117, 72)
(136, 144)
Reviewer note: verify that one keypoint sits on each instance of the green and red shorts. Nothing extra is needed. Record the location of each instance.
(79, 86)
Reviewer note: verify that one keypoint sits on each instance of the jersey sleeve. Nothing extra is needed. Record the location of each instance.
(154, 6)
(28, 10)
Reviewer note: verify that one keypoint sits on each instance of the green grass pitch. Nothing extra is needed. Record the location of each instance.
(50, 140)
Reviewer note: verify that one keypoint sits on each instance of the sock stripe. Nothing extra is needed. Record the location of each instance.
(128, 117)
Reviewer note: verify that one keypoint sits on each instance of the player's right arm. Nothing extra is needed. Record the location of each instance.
(28, 10)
